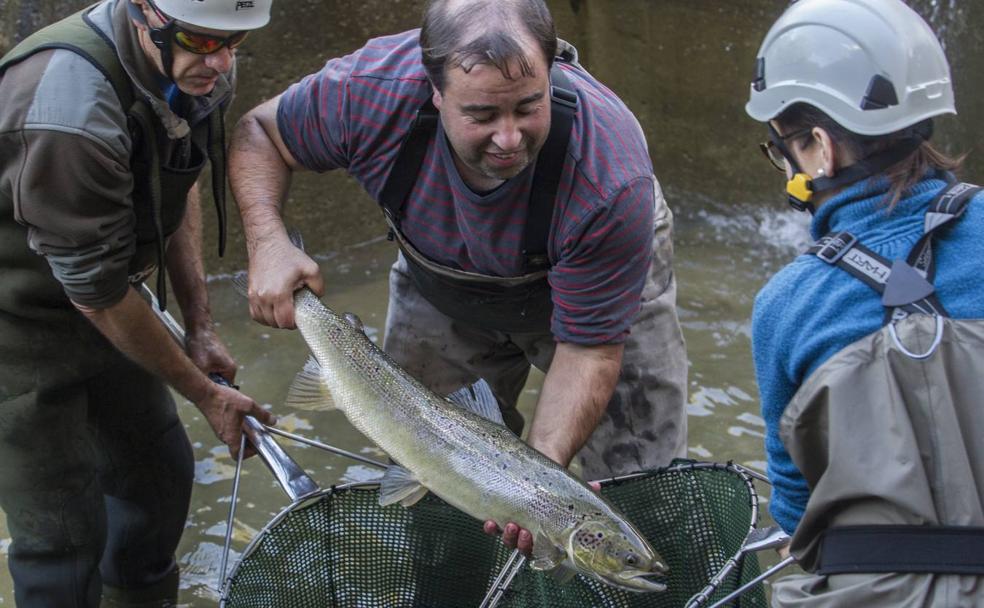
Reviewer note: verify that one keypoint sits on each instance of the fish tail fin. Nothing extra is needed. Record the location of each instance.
(295, 237)
(308, 391)
(240, 281)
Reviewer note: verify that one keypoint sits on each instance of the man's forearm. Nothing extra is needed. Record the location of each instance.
(185, 268)
(575, 394)
(260, 169)
(133, 329)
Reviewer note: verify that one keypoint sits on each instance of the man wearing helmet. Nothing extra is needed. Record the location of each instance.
(868, 347)
(108, 117)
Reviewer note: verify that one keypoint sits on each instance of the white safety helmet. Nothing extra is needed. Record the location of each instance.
(874, 66)
(230, 15)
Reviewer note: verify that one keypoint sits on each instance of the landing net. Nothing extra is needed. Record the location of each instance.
(341, 549)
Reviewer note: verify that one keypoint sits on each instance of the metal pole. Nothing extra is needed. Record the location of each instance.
(292, 478)
(509, 571)
(232, 513)
(755, 581)
(326, 447)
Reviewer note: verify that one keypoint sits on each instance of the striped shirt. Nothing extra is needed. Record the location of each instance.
(354, 113)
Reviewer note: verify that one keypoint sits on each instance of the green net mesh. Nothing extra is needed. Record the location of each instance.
(344, 550)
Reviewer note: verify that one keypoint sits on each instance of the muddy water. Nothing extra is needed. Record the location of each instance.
(682, 67)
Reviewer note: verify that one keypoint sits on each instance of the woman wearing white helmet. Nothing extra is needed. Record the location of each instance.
(868, 347)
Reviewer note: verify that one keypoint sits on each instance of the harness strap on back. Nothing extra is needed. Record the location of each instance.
(546, 179)
(904, 285)
(911, 549)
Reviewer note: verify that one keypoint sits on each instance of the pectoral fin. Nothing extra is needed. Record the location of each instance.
(308, 391)
(478, 399)
(546, 555)
(550, 558)
(398, 485)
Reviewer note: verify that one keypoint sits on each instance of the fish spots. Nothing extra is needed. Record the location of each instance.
(589, 540)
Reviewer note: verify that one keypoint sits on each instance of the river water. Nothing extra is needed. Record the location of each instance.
(683, 68)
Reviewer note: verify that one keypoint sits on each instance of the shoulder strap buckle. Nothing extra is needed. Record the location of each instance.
(562, 96)
(835, 246)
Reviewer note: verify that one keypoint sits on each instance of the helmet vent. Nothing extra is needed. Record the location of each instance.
(759, 82)
(880, 95)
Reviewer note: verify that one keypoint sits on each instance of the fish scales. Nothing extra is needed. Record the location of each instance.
(476, 465)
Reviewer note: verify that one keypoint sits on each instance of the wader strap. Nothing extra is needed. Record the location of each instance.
(915, 549)
(142, 115)
(216, 159)
(546, 179)
(409, 159)
(905, 285)
(549, 166)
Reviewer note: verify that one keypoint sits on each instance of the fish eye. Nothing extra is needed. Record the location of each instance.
(631, 559)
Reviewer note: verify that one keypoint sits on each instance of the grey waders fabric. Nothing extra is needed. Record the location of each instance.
(97, 469)
(883, 438)
(645, 425)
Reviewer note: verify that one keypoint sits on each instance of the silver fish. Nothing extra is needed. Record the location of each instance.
(459, 448)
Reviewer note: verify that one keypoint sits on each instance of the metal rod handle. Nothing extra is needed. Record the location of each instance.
(232, 514)
(291, 477)
(755, 581)
(326, 447)
(509, 571)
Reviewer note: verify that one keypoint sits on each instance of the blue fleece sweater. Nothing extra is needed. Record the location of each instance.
(809, 310)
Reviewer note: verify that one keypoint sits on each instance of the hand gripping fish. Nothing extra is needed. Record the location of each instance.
(460, 449)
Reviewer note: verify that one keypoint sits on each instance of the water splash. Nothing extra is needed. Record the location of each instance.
(944, 17)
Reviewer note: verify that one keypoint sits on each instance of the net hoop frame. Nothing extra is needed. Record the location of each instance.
(698, 600)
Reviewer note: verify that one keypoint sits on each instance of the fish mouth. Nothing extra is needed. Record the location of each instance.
(640, 581)
(650, 581)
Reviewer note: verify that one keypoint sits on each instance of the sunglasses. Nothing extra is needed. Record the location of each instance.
(204, 44)
(196, 42)
(775, 149)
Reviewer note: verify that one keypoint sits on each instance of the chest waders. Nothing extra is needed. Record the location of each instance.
(508, 304)
(889, 433)
(164, 171)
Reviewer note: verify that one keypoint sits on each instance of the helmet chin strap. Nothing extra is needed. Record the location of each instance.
(802, 188)
(161, 37)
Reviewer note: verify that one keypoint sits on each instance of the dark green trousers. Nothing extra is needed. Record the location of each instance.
(95, 468)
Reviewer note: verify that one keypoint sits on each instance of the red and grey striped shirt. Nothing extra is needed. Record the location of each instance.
(354, 113)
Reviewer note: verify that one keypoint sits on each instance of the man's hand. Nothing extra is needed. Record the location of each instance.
(209, 354)
(225, 408)
(515, 537)
(276, 270)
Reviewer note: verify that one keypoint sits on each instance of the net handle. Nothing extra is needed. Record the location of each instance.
(756, 540)
(291, 477)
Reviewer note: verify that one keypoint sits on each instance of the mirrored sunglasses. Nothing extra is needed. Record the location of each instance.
(204, 44)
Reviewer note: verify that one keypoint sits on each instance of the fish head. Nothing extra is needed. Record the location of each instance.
(615, 553)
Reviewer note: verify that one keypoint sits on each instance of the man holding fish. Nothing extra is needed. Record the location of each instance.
(530, 225)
